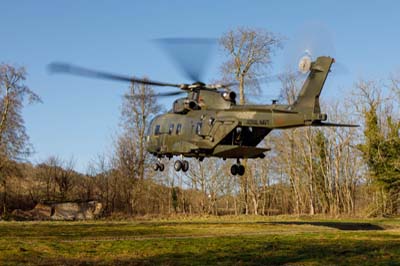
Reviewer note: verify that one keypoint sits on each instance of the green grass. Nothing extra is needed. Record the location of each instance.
(202, 241)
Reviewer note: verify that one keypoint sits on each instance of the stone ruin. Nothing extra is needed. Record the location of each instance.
(63, 211)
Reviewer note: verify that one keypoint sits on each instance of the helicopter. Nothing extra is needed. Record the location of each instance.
(208, 122)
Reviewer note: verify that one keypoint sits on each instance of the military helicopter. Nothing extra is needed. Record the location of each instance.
(207, 122)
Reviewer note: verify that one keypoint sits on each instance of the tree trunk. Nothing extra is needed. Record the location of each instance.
(255, 205)
(4, 197)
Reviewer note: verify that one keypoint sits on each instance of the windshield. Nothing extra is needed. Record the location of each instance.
(149, 131)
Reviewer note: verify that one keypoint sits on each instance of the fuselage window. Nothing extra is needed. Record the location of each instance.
(195, 96)
(157, 130)
(171, 129)
(198, 128)
(178, 129)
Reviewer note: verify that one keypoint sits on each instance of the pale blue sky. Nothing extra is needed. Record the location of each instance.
(79, 116)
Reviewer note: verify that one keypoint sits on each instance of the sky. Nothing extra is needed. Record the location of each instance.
(79, 117)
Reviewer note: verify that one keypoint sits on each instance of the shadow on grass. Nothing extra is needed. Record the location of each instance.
(345, 226)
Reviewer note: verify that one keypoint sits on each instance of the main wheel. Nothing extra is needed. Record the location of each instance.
(185, 166)
(178, 165)
(155, 167)
(241, 170)
(234, 169)
(161, 167)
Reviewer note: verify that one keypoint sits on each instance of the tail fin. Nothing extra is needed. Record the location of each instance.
(308, 99)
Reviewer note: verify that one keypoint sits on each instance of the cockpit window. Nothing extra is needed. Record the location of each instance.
(157, 130)
(151, 128)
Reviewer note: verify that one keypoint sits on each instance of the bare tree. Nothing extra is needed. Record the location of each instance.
(249, 54)
(138, 108)
(259, 178)
(131, 159)
(395, 86)
(14, 141)
(58, 175)
(13, 137)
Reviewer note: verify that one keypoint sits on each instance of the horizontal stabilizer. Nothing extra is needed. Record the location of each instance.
(322, 124)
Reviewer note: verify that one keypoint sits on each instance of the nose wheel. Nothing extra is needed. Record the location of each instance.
(237, 169)
(179, 165)
(159, 166)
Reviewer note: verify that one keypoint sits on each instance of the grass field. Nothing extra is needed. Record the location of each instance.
(202, 241)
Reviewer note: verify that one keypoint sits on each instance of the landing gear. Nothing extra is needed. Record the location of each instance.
(185, 166)
(181, 165)
(237, 169)
(159, 166)
(178, 165)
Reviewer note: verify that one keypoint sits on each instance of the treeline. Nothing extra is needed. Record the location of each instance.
(330, 170)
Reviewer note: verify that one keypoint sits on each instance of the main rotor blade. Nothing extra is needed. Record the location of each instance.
(262, 80)
(190, 55)
(271, 78)
(222, 86)
(57, 67)
(338, 68)
(164, 94)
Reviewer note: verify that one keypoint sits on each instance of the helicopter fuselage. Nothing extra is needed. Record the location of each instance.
(232, 132)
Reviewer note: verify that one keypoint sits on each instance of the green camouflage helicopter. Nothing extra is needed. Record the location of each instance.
(209, 123)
